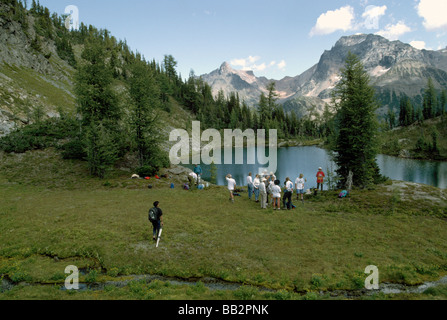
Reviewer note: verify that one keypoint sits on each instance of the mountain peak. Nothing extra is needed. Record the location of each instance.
(225, 68)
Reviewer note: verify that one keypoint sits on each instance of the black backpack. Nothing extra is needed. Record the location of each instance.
(153, 215)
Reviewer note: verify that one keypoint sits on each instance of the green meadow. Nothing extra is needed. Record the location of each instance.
(52, 215)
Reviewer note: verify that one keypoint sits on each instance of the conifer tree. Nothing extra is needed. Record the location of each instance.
(356, 143)
(145, 94)
(430, 101)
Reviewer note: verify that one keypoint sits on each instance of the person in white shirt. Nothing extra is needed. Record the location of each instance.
(299, 184)
(288, 194)
(192, 179)
(250, 186)
(256, 184)
(231, 186)
(263, 193)
(276, 195)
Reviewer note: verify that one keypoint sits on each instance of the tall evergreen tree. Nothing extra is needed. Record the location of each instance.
(95, 97)
(430, 101)
(356, 143)
(443, 102)
(145, 96)
(98, 106)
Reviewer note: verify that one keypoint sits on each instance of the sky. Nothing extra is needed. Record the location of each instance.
(274, 39)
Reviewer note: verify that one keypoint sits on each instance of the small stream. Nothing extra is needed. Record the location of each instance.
(215, 284)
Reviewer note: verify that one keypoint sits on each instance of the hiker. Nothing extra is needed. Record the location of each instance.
(299, 184)
(192, 178)
(263, 193)
(250, 186)
(320, 178)
(267, 188)
(231, 186)
(157, 222)
(288, 194)
(198, 172)
(256, 184)
(276, 195)
(270, 186)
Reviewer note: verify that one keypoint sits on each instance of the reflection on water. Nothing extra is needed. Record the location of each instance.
(306, 160)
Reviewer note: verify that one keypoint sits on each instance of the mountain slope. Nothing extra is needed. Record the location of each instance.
(31, 75)
(392, 65)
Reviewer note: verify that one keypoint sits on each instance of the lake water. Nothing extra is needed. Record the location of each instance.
(306, 160)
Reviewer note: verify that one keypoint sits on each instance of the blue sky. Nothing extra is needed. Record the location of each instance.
(273, 38)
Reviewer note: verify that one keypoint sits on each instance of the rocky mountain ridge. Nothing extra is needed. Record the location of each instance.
(394, 67)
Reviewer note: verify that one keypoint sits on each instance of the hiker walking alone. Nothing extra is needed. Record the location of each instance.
(250, 186)
(320, 178)
(156, 218)
(231, 186)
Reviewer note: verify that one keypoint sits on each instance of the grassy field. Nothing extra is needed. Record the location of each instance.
(53, 215)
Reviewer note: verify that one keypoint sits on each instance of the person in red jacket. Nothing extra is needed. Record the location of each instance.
(320, 178)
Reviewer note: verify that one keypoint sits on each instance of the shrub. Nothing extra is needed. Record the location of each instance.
(74, 149)
(146, 171)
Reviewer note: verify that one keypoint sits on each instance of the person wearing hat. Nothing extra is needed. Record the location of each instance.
(320, 178)
(263, 193)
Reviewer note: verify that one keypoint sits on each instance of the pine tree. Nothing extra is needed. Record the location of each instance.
(356, 143)
(95, 97)
(102, 151)
(430, 101)
(443, 102)
(98, 106)
(145, 94)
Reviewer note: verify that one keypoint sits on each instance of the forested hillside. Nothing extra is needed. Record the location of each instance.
(102, 100)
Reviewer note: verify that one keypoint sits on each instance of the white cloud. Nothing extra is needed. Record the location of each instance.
(252, 59)
(282, 65)
(418, 44)
(331, 21)
(249, 64)
(372, 16)
(394, 31)
(434, 14)
(238, 62)
(245, 63)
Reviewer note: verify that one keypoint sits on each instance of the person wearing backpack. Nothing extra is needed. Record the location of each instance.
(156, 218)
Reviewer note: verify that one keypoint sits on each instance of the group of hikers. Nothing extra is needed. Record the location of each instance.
(266, 189)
